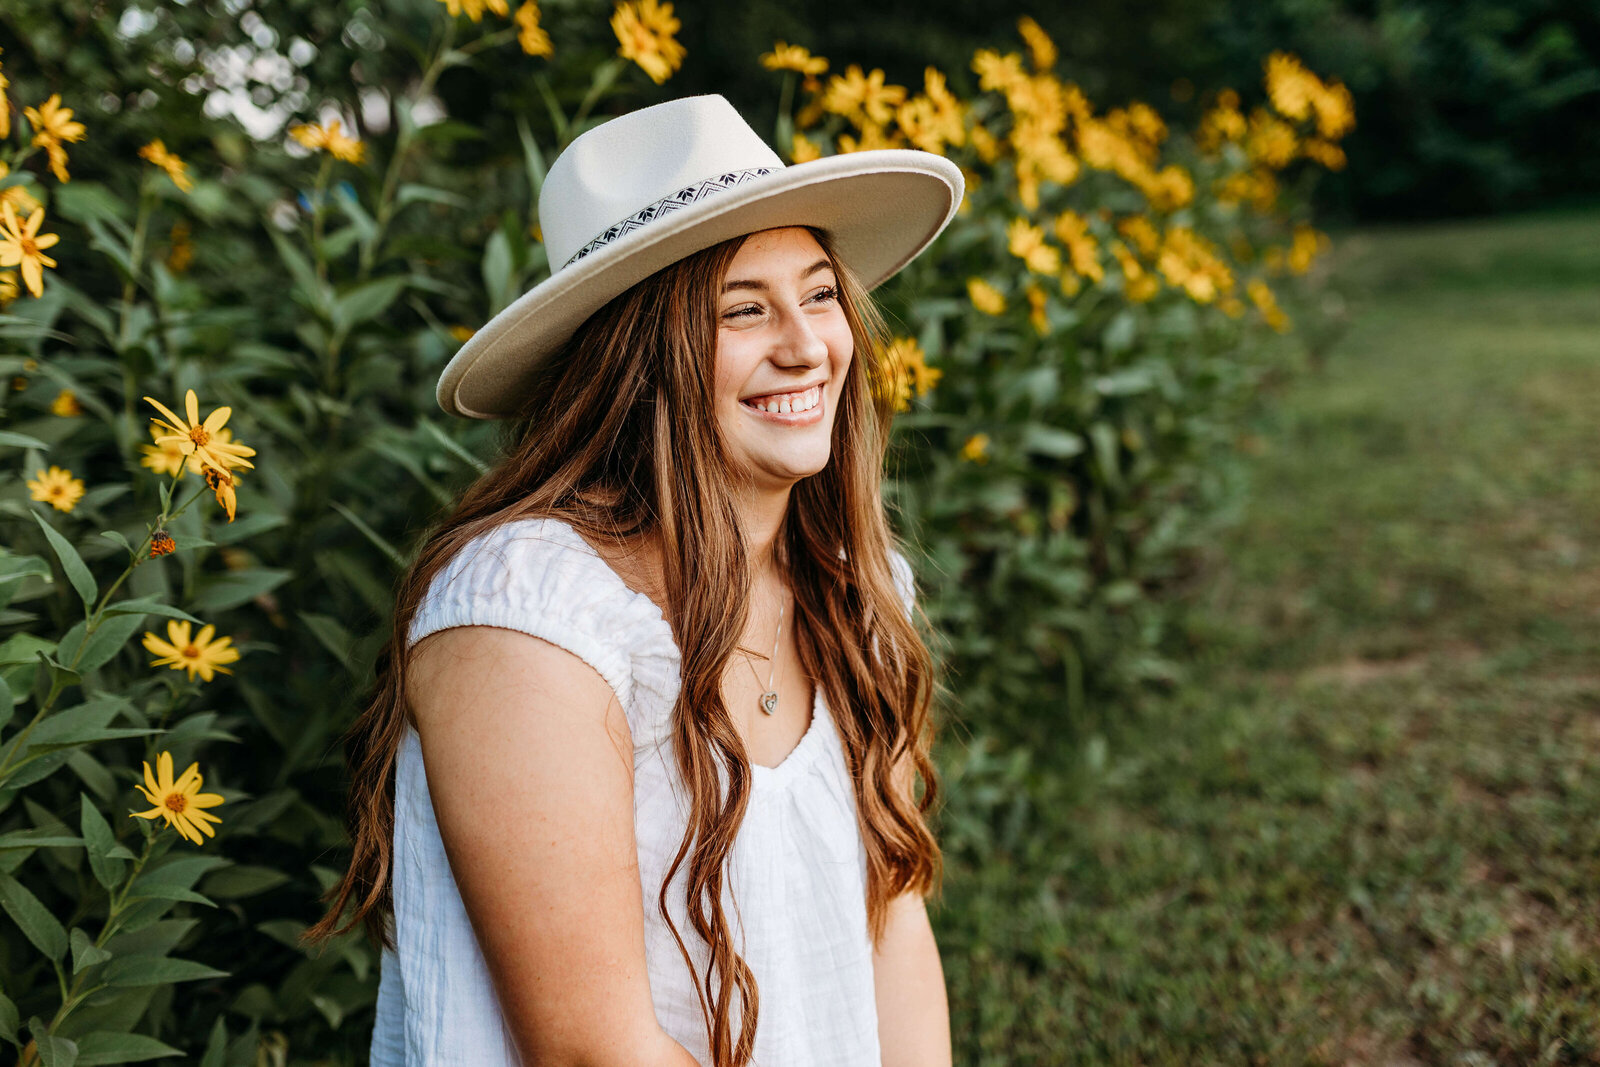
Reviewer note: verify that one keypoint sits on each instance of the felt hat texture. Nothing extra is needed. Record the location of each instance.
(641, 191)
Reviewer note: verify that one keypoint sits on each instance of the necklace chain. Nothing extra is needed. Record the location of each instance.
(768, 701)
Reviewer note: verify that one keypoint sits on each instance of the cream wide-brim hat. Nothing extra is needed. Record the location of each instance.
(641, 191)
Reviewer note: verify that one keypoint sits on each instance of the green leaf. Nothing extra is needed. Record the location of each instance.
(117, 538)
(146, 970)
(411, 191)
(1049, 441)
(33, 918)
(316, 291)
(231, 883)
(532, 158)
(31, 839)
(98, 841)
(22, 440)
(23, 648)
(71, 563)
(149, 605)
(103, 645)
(53, 1051)
(86, 953)
(334, 637)
(106, 1046)
(216, 1046)
(236, 587)
(370, 534)
(9, 1020)
(497, 280)
(367, 301)
(454, 447)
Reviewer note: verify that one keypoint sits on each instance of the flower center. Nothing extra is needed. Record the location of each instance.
(191, 652)
(29, 247)
(177, 801)
(199, 436)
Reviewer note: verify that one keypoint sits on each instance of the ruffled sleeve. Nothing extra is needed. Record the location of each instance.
(539, 577)
(904, 581)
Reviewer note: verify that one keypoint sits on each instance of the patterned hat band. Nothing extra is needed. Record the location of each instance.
(667, 204)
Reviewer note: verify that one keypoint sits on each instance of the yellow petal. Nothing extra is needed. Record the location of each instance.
(217, 418)
(191, 404)
(205, 800)
(164, 773)
(151, 814)
(190, 779)
(178, 633)
(152, 790)
(203, 638)
(176, 423)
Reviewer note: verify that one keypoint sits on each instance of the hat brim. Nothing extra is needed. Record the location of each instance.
(880, 208)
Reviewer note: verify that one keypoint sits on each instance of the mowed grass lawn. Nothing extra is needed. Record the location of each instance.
(1367, 830)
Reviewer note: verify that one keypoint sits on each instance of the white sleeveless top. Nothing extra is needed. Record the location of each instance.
(797, 869)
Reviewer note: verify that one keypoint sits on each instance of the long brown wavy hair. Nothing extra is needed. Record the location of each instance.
(619, 439)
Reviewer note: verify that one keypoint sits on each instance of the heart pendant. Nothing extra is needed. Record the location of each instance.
(769, 702)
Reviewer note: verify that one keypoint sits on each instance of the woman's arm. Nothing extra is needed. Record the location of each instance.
(913, 1014)
(530, 767)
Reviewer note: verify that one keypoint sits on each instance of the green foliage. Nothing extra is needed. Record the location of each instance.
(316, 294)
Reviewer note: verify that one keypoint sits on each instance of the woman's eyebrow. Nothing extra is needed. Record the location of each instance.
(748, 283)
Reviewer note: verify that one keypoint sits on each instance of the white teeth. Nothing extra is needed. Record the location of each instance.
(790, 403)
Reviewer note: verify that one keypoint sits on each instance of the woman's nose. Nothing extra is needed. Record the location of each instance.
(800, 343)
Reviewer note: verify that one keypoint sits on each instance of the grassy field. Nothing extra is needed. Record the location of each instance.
(1368, 831)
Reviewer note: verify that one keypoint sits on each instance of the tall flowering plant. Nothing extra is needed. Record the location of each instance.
(217, 440)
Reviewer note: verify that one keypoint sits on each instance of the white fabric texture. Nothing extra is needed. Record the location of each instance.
(796, 887)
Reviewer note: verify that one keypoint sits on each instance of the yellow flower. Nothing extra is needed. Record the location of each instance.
(22, 243)
(1139, 284)
(1192, 263)
(1336, 111)
(156, 152)
(1221, 125)
(1138, 230)
(223, 484)
(1306, 246)
(1036, 310)
(332, 138)
(1072, 230)
(804, 151)
(1290, 85)
(976, 450)
(1326, 153)
(474, 9)
(8, 287)
(56, 487)
(21, 201)
(1261, 295)
(912, 375)
(52, 125)
(461, 334)
(530, 35)
(66, 404)
(863, 98)
(646, 32)
(934, 117)
(988, 148)
(181, 254)
(5, 106)
(180, 803)
(1041, 49)
(1271, 141)
(201, 440)
(162, 544)
(793, 57)
(167, 457)
(198, 655)
(872, 137)
(985, 297)
(998, 72)
(1026, 242)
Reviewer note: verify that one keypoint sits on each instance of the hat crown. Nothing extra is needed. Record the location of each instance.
(625, 165)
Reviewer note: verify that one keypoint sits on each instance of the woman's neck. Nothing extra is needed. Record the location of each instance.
(762, 515)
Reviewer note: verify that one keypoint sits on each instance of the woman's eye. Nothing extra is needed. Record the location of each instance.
(830, 293)
(736, 313)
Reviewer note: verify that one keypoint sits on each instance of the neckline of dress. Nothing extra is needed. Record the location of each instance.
(810, 742)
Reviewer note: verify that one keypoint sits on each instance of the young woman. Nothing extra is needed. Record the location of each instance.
(640, 781)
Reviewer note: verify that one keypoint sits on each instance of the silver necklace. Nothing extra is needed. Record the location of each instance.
(769, 699)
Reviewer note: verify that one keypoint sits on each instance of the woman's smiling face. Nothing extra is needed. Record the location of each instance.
(783, 347)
